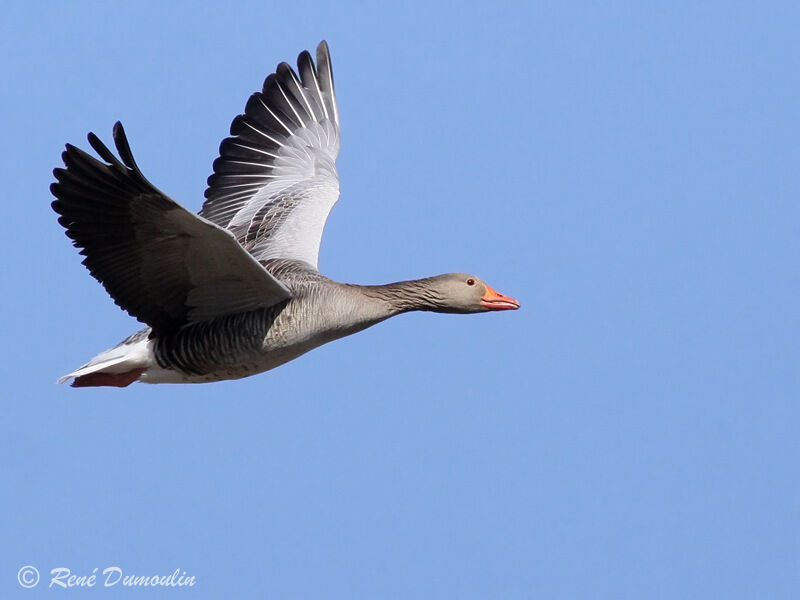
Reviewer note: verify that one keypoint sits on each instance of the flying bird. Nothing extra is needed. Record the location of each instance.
(234, 290)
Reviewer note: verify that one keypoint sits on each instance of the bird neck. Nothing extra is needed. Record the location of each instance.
(405, 296)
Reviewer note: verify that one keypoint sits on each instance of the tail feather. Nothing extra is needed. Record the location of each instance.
(94, 366)
(108, 379)
(119, 366)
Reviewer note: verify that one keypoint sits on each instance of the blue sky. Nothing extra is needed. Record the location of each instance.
(629, 171)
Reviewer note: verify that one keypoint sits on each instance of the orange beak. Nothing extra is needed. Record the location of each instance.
(494, 300)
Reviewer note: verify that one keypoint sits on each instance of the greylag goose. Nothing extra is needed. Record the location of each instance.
(235, 290)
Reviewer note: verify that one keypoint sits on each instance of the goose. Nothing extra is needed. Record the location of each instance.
(234, 290)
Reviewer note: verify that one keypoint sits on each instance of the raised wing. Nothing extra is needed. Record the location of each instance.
(275, 181)
(163, 264)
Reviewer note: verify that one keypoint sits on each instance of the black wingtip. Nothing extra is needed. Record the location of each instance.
(102, 149)
(267, 82)
(304, 56)
(119, 136)
(69, 150)
(323, 54)
(123, 147)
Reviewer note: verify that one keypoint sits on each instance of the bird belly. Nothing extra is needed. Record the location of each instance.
(268, 358)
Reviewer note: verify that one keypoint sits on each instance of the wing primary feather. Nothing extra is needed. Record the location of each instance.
(252, 164)
(326, 77)
(312, 72)
(249, 176)
(254, 149)
(271, 139)
(299, 87)
(308, 77)
(103, 151)
(274, 116)
(284, 77)
(124, 149)
(291, 105)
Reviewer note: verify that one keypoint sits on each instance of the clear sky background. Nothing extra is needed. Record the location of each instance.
(628, 171)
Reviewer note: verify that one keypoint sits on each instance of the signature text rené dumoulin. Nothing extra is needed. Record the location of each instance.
(113, 576)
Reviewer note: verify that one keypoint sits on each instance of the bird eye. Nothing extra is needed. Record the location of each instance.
(470, 281)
